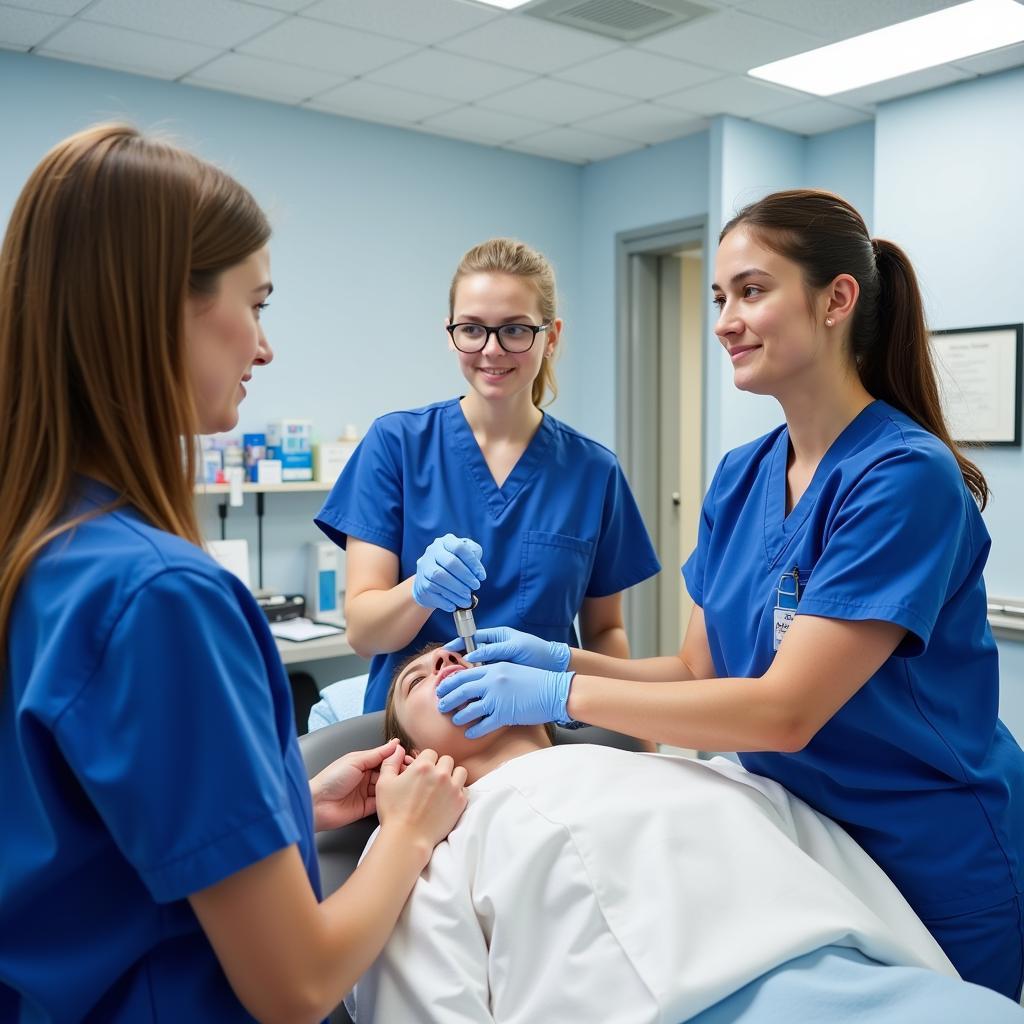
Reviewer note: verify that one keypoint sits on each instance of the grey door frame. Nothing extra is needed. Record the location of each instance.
(636, 421)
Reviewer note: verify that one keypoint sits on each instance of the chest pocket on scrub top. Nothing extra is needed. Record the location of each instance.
(553, 578)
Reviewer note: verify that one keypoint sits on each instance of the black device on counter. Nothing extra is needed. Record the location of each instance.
(281, 607)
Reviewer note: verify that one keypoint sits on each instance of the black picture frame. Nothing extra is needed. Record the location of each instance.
(1007, 433)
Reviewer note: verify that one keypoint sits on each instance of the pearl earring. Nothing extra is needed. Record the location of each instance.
(829, 321)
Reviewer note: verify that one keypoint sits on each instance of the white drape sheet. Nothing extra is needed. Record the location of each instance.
(588, 883)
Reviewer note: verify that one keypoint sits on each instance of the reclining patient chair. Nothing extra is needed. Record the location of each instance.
(338, 851)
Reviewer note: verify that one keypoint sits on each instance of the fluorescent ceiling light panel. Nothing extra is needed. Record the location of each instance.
(505, 5)
(939, 38)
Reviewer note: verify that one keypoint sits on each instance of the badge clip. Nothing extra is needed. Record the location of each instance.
(787, 598)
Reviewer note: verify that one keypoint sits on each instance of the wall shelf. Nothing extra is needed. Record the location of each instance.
(1006, 617)
(334, 646)
(249, 488)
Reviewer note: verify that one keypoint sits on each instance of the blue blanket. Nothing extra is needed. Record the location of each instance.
(836, 985)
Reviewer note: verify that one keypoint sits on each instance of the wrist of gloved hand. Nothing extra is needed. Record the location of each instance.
(559, 684)
(560, 655)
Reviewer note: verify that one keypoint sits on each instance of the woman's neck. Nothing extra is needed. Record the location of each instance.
(513, 421)
(816, 414)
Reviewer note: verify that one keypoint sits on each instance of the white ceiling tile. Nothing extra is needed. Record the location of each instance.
(573, 145)
(813, 117)
(448, 74)
(904, 85)
(21, 30)
(645, 122)
(839, 19)
(366, 99)
(254, 76)
(289, 6)
(529, 44)
(120, 48)
(221, 23)
(736, 95)
(65, 7)
(326, 47)
(419, 21)
(444, 133)
(560, 102)
(489, 126)
(636, 73)
(994, 60)
(731, 41)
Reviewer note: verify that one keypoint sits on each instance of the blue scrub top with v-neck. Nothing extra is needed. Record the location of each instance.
(916, 765)
(564, 525)
(147, 751)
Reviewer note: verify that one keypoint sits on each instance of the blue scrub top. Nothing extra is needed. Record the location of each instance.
(147, 750)
(563, 526)
(916, 765)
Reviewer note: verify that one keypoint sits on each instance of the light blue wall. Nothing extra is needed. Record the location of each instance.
(647, 187)
(369, 224)
(948, 171)
(843, 161)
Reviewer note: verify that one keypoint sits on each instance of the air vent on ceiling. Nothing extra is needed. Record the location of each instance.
(627, 20)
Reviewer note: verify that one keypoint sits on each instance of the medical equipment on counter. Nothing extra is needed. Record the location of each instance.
(324, 591)
(282, 607)
(254, 447)
(465, 625)
(331, 457)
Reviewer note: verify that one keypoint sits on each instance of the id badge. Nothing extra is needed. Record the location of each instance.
(787, 598)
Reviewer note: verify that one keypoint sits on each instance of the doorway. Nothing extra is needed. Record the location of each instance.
(660, 414)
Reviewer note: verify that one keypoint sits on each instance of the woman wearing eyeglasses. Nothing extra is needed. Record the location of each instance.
(486, 495)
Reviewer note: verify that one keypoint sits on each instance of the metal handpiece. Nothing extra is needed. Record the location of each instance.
(465, 625)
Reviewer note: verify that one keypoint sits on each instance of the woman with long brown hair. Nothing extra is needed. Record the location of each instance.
(157, 859)
(840, 639)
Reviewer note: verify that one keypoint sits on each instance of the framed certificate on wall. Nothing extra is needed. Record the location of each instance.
(979, 371)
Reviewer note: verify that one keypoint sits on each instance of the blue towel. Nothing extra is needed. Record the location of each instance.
(836, 985)
(340, 700)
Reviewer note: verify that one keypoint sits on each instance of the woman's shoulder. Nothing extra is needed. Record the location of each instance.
(405, 421)
(114, 554)
(896, 443)
(580, 445)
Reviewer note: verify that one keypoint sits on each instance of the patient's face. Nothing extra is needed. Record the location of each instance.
(415, 702)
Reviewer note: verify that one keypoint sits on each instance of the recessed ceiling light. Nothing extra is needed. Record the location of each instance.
(900, 49)
(505, 5)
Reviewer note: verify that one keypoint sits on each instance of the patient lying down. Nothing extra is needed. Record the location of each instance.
(589, 883)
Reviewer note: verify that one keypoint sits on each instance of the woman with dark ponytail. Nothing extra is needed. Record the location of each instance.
(840, 637)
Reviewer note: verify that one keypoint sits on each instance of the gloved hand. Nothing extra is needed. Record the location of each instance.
(504, 694)
(447, 573)
(502, 643)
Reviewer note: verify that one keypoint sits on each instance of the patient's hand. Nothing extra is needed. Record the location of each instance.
(345, 790)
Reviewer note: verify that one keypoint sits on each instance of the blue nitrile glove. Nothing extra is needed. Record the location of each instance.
(503, 643)
(504, 694)
(447, 573)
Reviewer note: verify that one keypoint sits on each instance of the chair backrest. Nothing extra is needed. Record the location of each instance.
(339, 851)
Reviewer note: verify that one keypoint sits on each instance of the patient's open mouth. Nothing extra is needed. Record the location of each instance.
(446, 672)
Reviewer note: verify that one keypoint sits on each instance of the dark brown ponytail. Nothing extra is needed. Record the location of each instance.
(826, 237)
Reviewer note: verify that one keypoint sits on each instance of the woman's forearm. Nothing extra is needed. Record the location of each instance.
(702, 714)
(612, 642)
(382, 621)
(361, 915)
(653, 670)
(292, 959)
